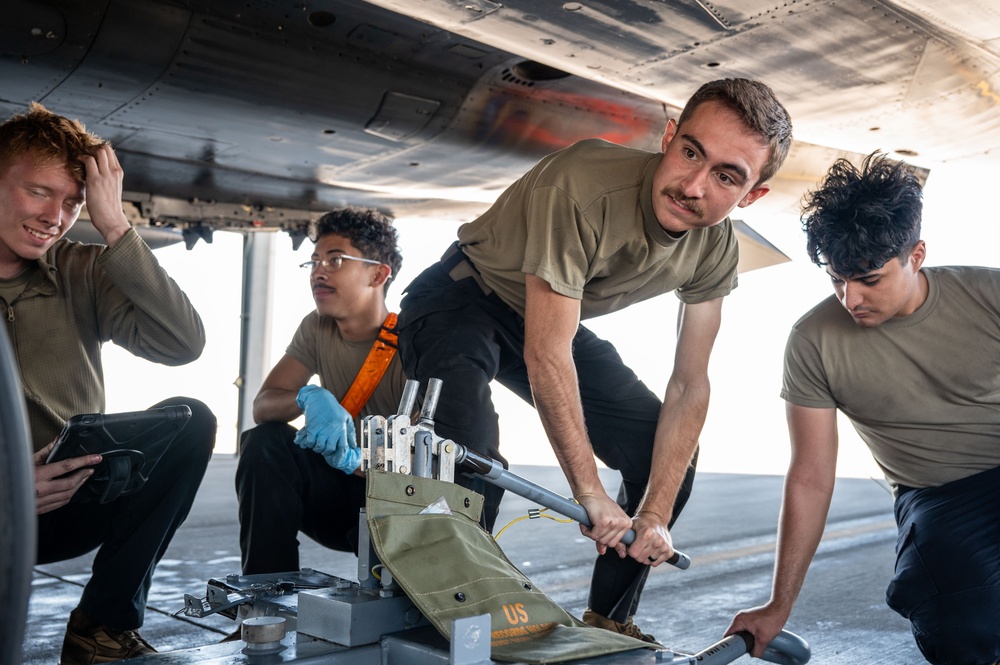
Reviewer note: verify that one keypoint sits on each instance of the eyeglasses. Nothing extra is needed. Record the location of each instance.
(333, 264)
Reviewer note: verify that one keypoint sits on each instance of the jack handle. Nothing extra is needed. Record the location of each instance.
(493, 472)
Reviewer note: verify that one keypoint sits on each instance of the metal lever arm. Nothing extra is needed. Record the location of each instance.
(493, 472)
(785, 649)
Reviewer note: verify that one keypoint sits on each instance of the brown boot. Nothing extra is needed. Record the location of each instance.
(592, 618)
(87, 642)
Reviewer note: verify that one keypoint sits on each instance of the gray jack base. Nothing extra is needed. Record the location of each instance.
(418, 646)
(326, 619)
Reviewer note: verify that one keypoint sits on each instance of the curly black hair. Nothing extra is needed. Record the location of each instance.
(859, 219)
(368, 230)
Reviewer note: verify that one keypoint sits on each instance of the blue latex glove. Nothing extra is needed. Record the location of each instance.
(329, 429)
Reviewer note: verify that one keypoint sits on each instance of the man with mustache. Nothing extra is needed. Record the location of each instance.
(307, 480)
(590, 230)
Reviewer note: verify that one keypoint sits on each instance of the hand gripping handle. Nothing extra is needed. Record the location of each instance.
(493, 472)
(785, 649)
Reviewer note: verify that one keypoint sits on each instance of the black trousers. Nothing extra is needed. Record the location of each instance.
(455, 331)
(947, 578)
(132, 533)
(282, 490)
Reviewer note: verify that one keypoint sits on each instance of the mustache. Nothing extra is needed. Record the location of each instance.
(692, 204)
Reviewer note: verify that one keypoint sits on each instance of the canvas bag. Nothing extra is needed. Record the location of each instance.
(451, 568)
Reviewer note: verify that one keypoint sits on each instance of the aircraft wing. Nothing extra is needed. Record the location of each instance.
(263, 115)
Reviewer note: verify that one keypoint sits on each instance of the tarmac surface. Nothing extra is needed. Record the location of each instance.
(727, 528)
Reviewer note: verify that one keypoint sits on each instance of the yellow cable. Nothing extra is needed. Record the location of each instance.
(537, 513)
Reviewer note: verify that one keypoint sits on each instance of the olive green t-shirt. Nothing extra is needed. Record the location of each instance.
(923, 391)
(319, 346)
(13, 287)
(582, 220)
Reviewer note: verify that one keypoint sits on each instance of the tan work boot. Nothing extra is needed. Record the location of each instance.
(592, 618)
(88, 642)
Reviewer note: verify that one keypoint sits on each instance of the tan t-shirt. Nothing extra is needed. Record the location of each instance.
(319, 346)
(923, 391)
(582, 219)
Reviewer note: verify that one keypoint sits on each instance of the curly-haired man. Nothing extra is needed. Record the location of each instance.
(307, 480)
(911, 355)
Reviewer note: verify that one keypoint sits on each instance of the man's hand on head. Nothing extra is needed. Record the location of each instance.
(104, 194)
(56, 483)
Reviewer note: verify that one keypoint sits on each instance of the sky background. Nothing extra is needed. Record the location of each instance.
(745, 431)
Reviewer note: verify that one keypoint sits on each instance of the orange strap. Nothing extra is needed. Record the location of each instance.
(377, 362)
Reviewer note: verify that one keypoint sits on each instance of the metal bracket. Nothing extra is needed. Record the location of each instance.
(215, 600)
(399, 445)
(373, 436)
(470, 641)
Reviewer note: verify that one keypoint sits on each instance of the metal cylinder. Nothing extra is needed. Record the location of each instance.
(409, 398)
(263, 635)
(431, 398)
(423, 464)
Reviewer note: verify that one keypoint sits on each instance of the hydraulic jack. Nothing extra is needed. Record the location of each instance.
(309, 616)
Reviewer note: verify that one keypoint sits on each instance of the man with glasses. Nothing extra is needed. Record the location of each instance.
(308, 480)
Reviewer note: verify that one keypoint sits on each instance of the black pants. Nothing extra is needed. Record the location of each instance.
(947, 579)
(283, 489)
(454, 331)
(132, 532)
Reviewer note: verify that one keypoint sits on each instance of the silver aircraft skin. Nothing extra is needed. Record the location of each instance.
(252, 116)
